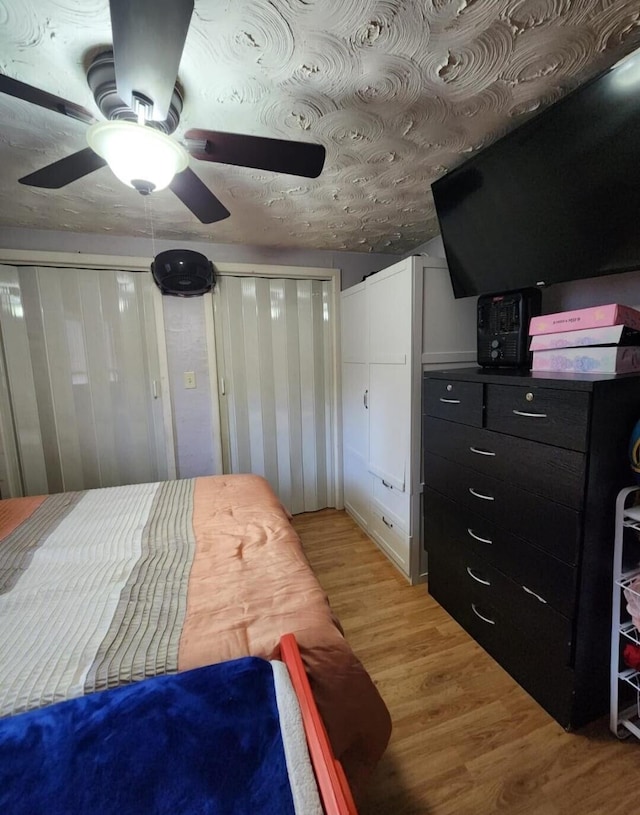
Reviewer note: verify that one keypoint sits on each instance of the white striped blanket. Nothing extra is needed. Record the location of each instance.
(93, 592)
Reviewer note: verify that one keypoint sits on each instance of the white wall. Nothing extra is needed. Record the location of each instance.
(434, 247)
(353, 264)
(185, 317)
(593, 291)
(596, 291)
(184, 325)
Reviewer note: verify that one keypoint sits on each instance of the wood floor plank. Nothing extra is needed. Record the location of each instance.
(467, 739)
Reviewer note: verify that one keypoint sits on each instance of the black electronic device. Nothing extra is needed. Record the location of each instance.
(503, 327)
(183, 273)
(556, 199)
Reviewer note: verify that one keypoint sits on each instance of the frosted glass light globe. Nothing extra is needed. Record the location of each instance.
(136, 153)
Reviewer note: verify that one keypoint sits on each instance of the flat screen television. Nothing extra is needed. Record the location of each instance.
(556, 199)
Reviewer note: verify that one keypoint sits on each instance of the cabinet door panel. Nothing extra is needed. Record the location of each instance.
(390, 422)
(357, 488)
(355, 415)
(355, 325)
(390, 330)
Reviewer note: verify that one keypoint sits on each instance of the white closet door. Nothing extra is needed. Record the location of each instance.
(390, 337)
(355, 379)
(274, 350)
(355, 393)
(83, 377)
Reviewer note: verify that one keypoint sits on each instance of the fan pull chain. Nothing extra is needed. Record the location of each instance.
(148, 211)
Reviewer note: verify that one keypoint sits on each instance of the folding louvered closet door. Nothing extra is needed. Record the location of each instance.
(274, 356)
(82, 378)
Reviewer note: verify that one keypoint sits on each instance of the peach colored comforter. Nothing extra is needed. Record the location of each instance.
(108, 586)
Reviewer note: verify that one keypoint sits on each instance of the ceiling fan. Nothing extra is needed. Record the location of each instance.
(135, 88)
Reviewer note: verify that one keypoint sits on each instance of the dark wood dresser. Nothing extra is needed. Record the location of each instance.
(521, 472)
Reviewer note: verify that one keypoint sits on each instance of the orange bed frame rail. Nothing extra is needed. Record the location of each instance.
(332, 782)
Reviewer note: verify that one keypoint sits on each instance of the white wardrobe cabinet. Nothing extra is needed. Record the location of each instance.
(386, 321)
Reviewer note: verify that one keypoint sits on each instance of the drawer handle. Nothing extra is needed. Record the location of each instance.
(385, 521)
(530, 415)
(482, 617)
(480, 495)
(478, 538)
(533, 594)
(478, 579)
(480, 452)
(450, 401)
(385, 484)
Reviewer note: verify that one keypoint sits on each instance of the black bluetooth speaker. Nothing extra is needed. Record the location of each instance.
(183, 273)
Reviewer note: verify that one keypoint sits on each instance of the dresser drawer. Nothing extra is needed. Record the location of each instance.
(389, 536)
(554, 416)
(455, 401)
(552, 472)
(464, 533)
(537, 657)
(396, 503)
(552, 527)
(497, 601)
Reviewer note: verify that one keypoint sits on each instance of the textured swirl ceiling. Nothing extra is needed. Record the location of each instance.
(398, 91)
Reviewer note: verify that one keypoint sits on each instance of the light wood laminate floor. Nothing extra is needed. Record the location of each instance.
(467, 740)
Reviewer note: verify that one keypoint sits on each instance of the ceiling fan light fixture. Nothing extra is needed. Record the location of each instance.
(138, 153)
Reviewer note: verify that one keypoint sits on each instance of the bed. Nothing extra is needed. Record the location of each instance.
(107, 587)
(242, 737)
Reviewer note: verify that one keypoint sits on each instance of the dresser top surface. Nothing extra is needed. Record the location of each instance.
(513, 376)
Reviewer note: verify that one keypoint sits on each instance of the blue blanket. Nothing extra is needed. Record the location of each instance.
(203, 742)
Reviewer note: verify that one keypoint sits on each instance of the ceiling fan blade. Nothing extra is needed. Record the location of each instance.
(278, 155)
(148, 40)
(21, 90)
(197, 197)
(63, 172)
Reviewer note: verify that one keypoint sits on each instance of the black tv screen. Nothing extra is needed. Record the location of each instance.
(556, 199)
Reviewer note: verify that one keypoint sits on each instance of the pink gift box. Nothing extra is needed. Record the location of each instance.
(593, 317)
(589, 360)
(606, 335)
